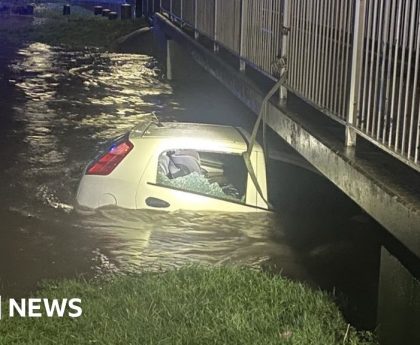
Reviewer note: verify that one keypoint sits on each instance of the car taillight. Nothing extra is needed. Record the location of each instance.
(106, 163)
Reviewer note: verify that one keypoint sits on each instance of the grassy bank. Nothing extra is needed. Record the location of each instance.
(78, 30)
(192, 305)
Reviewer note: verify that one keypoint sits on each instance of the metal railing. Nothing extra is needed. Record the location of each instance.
(262, 35)
(205, 17)
(188, 12)
(248, 28)
(389, 98)
(149, 7)
(357, 61)
(319, 53)
(228, 24)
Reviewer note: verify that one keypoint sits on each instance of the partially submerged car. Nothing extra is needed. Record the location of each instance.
(177, 166)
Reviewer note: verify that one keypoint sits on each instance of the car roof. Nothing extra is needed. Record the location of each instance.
(228, 135)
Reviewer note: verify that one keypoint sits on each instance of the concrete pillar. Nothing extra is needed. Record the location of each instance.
(398, 303)
(351, 135)
(242, 65)
(125, 11)
(169, 57)
(97, 10)
(66, 10)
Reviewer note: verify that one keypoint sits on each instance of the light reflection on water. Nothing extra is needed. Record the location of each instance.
(71, 103)
(154, 240)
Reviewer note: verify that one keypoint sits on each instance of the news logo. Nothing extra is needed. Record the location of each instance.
(40, 307)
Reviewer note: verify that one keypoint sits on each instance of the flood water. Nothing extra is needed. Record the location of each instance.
(58, 107)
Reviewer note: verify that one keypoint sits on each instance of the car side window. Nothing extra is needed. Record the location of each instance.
(214, 174)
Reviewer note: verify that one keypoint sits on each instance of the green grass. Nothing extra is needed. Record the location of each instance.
(192, 305)
(80, 29)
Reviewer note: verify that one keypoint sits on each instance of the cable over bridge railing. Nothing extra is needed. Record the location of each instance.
(357, 61)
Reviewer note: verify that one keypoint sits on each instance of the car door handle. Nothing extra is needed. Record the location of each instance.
(157, 203)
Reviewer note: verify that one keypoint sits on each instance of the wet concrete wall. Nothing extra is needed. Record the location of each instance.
(399, 303)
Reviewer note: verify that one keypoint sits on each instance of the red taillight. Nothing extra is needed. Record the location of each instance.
(105, 164)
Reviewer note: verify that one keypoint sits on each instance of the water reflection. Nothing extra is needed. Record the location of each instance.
(70, 103)
(154, 240)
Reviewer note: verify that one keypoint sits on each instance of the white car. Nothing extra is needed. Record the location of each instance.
(176, 166)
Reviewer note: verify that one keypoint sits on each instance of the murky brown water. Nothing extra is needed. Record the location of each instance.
(58, 107)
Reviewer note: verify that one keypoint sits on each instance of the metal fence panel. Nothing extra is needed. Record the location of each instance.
(151, 7)
(165, 5)
(319, 52)
(390, 93)
(206, 17)
(381, 74)
(262, 23)
(145, 7)
(228, 23)
(177, 8)
(188, 11)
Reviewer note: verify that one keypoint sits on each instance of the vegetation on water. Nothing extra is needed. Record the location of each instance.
(82, 28)
(191, 305)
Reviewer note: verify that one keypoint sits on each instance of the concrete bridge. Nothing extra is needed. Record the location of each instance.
(350, 105)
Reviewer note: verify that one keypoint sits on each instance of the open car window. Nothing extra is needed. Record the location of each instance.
(214, 174)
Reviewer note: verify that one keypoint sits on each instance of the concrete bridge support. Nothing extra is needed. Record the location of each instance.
(398, 303)
(169, 57)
